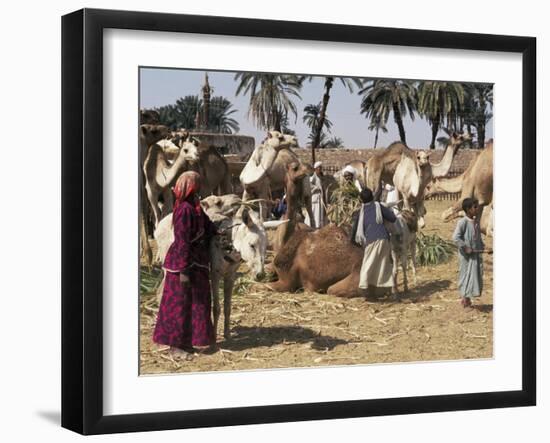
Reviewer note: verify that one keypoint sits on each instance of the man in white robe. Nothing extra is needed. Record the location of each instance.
(350, 175)
(317, 201)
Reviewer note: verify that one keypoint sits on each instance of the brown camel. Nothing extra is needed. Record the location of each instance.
(321, 260)
(149, 117)
(213, 168)
(476, 181)
(149, 134)
(266, 169)
(410, 171)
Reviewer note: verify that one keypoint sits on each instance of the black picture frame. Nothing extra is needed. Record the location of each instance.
(82, 218)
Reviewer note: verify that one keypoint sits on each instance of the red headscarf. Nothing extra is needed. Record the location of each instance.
(186, 187)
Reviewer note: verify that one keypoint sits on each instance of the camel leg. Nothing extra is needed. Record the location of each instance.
(347, 287)
(282, 286)
(395, 271)
(153, 201)
(404, 266)
(215, 286)
(413, 259)
(160, 289)
(146, 252)
(374, 178)
(225, 186)
(228, 283)
(168, 205)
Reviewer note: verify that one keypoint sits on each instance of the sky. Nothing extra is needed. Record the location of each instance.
(160, 87)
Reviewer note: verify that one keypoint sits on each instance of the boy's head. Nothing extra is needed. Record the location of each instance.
(365, 195)
(470, 207)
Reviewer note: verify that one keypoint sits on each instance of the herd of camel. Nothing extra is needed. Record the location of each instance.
(318, 260)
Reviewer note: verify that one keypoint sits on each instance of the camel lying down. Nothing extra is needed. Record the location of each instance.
(327, 261)
(319, 261)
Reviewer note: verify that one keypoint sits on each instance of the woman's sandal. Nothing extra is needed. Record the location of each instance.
(186, 354)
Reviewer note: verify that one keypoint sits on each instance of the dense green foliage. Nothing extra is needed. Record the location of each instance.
(433, 250)
(183, 114)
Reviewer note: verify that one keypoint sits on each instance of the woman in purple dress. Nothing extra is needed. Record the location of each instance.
(184, 319)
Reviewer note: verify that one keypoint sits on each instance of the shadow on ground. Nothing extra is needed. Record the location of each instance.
(244, 337)
(424, 291)
(485, 308)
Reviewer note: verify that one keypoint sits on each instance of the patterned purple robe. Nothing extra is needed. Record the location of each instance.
(184, 318)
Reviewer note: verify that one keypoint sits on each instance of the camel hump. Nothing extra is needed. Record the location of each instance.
(285, 257)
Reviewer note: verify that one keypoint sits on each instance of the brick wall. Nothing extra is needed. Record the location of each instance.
(338, 158)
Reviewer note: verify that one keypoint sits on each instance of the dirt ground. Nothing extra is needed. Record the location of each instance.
(281, 330)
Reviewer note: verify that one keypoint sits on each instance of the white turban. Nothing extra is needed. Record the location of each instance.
(350, 169)
(317, 165)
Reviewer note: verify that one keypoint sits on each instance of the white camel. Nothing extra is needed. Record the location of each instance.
(160, 174)
(249, 242)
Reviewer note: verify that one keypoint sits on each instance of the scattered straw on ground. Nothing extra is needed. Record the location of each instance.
(281, 330)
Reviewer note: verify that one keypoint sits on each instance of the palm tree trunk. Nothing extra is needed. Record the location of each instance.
(481, 123)
(481, 135)
(322, 115)
(435, 130)
(399, 122)
(276, 120)
(376, 137)
(275, 116)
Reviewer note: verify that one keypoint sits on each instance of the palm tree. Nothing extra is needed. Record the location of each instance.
(312, 119)
(186, 110)
(219, 119)
(380, 97)
(477, 112)
(377, 125)
(183, 114)
(440, 101)
(333, 143)
(285, 128)
(168, 116)
(347, 82)
(270, 96)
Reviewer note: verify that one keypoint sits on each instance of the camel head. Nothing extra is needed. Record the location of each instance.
(263, 157)
(149, 117)
(422, 158)
(153, 133)
(295, 172)
(457, 140)
(292, 141)
(180, 134)
(276, 140)
(450, 214)
(225, 205)
(250, 240)
(189, 148)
